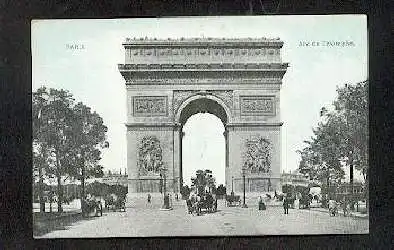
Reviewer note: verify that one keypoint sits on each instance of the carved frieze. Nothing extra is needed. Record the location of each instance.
(206, 51)
(257, 105)
(212, 66)
(150, 105)
(257, 155)
(182, 81)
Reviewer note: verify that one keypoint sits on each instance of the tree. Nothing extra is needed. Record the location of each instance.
(185, 191)
(51, 110)
(63, 134)
(221, 190)
(352, 107)
(341, 139)
(88, 138)
(203, 180)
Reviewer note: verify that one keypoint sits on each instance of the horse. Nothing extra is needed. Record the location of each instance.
(305, 201)
(193, 204)
(209, 203)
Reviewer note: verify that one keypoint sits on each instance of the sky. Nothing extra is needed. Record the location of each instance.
(90, 73)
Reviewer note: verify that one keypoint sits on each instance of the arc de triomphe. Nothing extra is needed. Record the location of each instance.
(167, 81)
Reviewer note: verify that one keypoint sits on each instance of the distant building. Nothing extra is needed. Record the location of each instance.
(115, 179)
(294, 178)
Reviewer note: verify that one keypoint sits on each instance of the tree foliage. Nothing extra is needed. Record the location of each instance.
(203, 180)
(340, 141)
(66, 137)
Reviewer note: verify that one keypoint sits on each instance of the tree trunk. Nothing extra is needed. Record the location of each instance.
(59, 194)
(40, 188)
(366, 190)
(59, 185)
(83, 189)
(351, 187)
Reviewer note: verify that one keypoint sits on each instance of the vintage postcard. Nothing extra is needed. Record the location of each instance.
(200, 126)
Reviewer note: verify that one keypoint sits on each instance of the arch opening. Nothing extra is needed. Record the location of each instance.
(203, 143)
(203, 147)
(203, 105)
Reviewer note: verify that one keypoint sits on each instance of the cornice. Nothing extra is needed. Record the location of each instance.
(256, 125)
(152, 126)
(204, 81)
(205, 67)
(200, 42)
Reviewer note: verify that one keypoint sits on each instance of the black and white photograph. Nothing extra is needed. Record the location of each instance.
(200, 126)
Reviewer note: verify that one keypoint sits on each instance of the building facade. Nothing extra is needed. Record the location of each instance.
(167, 81)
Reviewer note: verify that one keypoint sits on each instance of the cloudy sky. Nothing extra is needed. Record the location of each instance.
(91, 75)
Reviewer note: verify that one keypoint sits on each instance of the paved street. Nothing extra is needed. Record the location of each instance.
(139, 222)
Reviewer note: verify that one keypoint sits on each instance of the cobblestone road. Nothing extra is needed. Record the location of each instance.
(140, 222)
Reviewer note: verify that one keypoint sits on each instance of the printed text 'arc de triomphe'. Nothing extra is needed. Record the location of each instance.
(167, 81)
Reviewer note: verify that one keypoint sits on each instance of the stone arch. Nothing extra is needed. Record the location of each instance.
(201, 96)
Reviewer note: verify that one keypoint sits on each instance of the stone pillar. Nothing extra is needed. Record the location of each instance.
(177, 167)
(227, 176)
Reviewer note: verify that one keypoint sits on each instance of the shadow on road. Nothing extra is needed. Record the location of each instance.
(48, 222)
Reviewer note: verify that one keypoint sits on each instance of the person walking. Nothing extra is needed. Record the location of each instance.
(261, 204)
(286, 204)
(149, 198)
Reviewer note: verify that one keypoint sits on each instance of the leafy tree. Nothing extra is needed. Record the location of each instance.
(67, 138)
(204, 179)
(52, 109)
(185, 191)
(352, 107)
(341, 139)
(88, 138)
(221, 190)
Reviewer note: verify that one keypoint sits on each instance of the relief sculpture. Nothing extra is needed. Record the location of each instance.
(257, 105)
(150, 106)
(257, 158)
(149, 156)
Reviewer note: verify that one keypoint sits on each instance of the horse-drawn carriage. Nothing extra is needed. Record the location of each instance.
(91, 207)
(197, 203)
(233, 200)
(115, 203)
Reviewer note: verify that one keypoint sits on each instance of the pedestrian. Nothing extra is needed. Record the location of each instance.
(149, 198)
(286, 204)
(261, 204)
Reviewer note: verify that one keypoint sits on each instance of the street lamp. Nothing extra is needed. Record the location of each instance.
(166, 202)
(243, 177)
(232, 185)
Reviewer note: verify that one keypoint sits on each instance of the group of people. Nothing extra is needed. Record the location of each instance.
(196, 202)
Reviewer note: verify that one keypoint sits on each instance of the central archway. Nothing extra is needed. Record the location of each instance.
(202, 103)
(203, 147)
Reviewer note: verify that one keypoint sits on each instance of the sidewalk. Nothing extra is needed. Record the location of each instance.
(340, 212)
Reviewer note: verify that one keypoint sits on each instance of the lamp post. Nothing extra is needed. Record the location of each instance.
(166, 201)
(243, 177)
(232, 185)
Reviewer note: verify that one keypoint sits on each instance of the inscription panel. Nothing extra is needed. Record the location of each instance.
(257, 105)
(150, 106)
